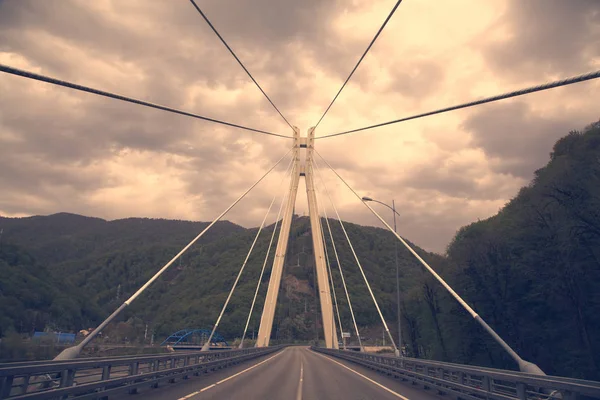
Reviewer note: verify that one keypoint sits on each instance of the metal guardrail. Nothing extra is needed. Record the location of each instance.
(473, 383)
(97, 378)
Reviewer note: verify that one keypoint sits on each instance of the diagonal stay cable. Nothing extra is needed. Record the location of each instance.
(206, 345)
(32, 75)
(72, 352)
(328, 262)
(337, 258)
(238, 60)
(327, 259)
(385, 326)
(533, 89)
(524, 366)
(360, 60)
(262, 271)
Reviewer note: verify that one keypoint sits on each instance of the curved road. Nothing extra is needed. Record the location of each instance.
(294, 373)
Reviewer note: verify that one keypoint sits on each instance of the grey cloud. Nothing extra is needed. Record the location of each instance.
(267, 22)
(169, 47)
(274, 25)
(517, 139)
(436, 177)
(85, 128)
(416, 79)
(546, 37)
(30, 174)
(32, 186)
(427, 227)
(77, 24)
(180, 52)
(173, 47)
(453, 183)
(98, 126)
(57, 136)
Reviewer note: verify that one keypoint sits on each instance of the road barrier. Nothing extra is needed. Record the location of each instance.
(98, 378)
(469, 382)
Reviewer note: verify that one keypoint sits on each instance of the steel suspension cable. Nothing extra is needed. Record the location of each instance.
(337, 258)
(360, 60)
(337, 309)
(362, 273)
(524, 365)
(72, 352)
(262, 271)
(328, 262)
(546, 86)
(70, 85)
(238, 60)
(241, 271)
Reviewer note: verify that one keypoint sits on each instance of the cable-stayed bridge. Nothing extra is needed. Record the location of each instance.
(282, 372)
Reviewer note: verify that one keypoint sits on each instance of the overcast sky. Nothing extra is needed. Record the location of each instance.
(61, 150)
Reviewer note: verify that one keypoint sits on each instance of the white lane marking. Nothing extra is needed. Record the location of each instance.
(367, 378)
(299, 393)
(228, 378)
(206, 388)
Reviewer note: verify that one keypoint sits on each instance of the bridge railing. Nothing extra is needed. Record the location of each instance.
(468, 382)
(101, 377)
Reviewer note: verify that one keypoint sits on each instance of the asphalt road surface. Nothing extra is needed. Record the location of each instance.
(293, 373)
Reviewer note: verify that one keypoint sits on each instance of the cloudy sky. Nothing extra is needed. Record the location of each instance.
(61, 150)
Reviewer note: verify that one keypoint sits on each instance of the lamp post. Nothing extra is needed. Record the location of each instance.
(394, 212)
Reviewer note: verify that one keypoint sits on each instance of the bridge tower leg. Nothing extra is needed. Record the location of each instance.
(268, 314)
(266, 321)
(329, 331)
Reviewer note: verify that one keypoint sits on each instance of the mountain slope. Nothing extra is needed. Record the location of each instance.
(32, 299)
(533, 270)
(60, 237)
(109, 260)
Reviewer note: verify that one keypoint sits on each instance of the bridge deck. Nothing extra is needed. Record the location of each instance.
(293, 373)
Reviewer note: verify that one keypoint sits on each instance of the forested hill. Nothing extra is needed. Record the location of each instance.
(57, 271)
(104, 262)
(65, 236)
(532, 272)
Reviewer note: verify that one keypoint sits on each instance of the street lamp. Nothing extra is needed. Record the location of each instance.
(524, 366)
(393, 208)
